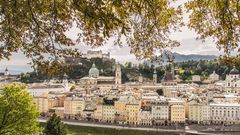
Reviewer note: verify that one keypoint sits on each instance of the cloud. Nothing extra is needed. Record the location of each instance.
(193, 46)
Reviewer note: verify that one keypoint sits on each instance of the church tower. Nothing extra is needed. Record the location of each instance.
(65, 82)
(6, 73)
(155, 76)
(118, 75)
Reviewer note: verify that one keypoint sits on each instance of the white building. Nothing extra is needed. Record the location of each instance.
(160, 112)
(214, 77)
(232, 82)
(145, 118)
(225, 113)
(41, 89)
(96, 54)
(196, 78)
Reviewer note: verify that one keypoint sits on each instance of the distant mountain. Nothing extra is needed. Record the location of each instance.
(196, 57)
(181, 57)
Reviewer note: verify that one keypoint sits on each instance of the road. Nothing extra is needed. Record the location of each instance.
(118, 127)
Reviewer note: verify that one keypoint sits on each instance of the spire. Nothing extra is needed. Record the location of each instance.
(6, 72)
(93, 65)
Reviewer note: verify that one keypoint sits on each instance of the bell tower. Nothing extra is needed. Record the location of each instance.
(65, 82)
(6, 73)
(118, 75)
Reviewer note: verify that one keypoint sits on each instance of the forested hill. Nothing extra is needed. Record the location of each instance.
(131, 72)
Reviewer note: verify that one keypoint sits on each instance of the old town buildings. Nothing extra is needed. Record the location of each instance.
(154, 103)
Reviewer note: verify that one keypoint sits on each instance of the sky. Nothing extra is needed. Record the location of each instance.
(187, 39)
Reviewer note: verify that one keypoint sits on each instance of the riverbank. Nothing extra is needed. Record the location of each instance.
(86, 130)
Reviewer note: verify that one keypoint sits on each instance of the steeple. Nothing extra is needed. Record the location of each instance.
(6, 72)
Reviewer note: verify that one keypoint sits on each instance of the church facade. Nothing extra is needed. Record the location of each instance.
(232, 82)
(94, 81)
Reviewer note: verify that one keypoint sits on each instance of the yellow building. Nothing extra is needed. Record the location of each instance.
(98, 113)
(108, 113)
(177, 111)
(195, 112)
(41, 104)
(73, 107)
(120, 108)
(53, 102)
(132, 111)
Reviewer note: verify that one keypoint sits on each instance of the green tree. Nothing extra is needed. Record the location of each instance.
(55, 126)
(160, 92)
(18, 116)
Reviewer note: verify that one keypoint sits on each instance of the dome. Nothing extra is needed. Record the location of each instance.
(234, 71)
(93, 70)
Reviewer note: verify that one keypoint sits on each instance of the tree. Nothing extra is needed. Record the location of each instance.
(17, 113)
(55, 126)
(160, 92)
(218, 19)
(40, 27)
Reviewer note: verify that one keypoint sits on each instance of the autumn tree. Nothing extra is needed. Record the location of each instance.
(17, 113)
(39, 27)
(217, 19)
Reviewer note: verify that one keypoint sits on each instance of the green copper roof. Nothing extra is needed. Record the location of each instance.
(93, 70)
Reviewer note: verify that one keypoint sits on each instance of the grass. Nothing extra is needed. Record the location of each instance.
(84, 130)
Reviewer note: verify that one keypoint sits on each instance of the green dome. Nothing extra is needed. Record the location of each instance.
(93, 70)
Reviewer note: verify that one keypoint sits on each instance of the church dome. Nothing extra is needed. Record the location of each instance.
(93, 70)
(234, 71)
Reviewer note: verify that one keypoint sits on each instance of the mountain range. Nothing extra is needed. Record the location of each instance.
(196, 57)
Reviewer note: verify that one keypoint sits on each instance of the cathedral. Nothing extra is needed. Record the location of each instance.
(232, 82)
(94, 81)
